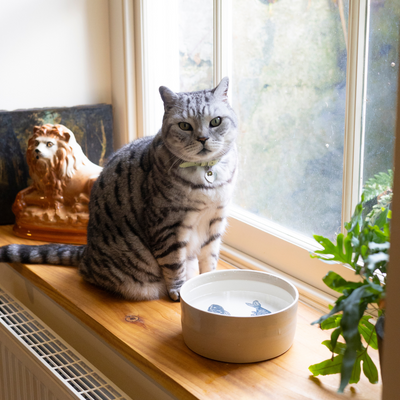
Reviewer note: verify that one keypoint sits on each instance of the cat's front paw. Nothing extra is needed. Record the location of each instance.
(174, 294)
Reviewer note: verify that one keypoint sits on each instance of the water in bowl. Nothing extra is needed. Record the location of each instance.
(240, 303)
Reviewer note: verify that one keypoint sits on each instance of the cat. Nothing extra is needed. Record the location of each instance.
(158, 209)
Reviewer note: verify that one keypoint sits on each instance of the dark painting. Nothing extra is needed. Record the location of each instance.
(92, 126)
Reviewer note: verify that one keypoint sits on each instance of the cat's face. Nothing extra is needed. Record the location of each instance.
(198, 126)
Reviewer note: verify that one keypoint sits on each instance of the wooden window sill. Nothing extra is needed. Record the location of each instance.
(149, 335)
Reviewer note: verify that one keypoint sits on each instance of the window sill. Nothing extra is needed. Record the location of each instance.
(155, 345)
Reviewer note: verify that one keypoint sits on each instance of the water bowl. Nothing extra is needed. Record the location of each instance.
(239, 316)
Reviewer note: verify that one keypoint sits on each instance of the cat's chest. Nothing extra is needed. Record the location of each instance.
(208, 204)
(200, 223)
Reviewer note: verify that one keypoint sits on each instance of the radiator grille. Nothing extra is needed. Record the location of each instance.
(70, 367)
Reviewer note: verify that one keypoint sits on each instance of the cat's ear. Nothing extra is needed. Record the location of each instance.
(168, 96)
(221, 91)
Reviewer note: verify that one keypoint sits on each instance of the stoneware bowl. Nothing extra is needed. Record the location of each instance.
(238, 316)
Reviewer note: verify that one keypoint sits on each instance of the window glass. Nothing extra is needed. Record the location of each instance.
(177, 52)
(195, 44)
(383, 62)
(289, 85)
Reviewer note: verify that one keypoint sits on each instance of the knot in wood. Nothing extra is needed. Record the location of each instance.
(132, 318)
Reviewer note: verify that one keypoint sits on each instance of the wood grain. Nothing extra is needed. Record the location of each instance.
(149, 335)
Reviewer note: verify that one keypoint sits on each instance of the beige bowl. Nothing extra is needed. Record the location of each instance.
(238, 316)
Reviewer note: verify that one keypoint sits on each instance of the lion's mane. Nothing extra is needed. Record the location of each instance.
(52, 176)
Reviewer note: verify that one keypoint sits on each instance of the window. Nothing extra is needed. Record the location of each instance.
(289, 92)
(314, 86)
(380, 92)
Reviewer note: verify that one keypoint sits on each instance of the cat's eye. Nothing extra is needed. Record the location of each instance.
(185, 126)
(215, 122)
(49, 144)
(37, 143)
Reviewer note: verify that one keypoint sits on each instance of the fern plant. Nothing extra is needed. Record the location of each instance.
(377, 185)
(365, 249)
(378, 194)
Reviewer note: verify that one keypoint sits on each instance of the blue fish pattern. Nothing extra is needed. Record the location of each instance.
(216, 309)
(259, 310)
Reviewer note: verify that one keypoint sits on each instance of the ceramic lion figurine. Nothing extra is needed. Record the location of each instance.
(62, 180)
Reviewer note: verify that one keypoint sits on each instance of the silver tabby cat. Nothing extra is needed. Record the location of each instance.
(159, 208)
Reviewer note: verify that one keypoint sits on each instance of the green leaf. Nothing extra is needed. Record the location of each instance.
(363, 250)
(336, 282)
(346, 372)
(339, 347)
(335, 335)
(353, 310)
(356, 220)
(382, 218)
(337, 308)
(386, 231)
(344, 243)
(367, 330)
(327, 367)
(369, 368)
(378, 184)
(356, 372)
(341, 252)
(378, 234)
(348, 246)
(331, 322)
(376, 280)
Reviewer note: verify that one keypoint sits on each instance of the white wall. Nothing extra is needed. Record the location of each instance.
(54, 53)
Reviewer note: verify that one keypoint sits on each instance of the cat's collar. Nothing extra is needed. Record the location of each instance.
(199, 164)
(209, 175)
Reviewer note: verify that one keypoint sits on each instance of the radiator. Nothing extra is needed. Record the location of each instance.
(36, 364)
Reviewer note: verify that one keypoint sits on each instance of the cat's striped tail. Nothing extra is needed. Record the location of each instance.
(59, 254)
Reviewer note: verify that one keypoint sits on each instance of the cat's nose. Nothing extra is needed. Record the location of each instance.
(202, 139)
(37, 151)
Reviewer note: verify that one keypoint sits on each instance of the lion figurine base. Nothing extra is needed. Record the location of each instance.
(56, 207)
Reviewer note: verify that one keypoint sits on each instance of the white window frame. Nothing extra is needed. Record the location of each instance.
(250, 241)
